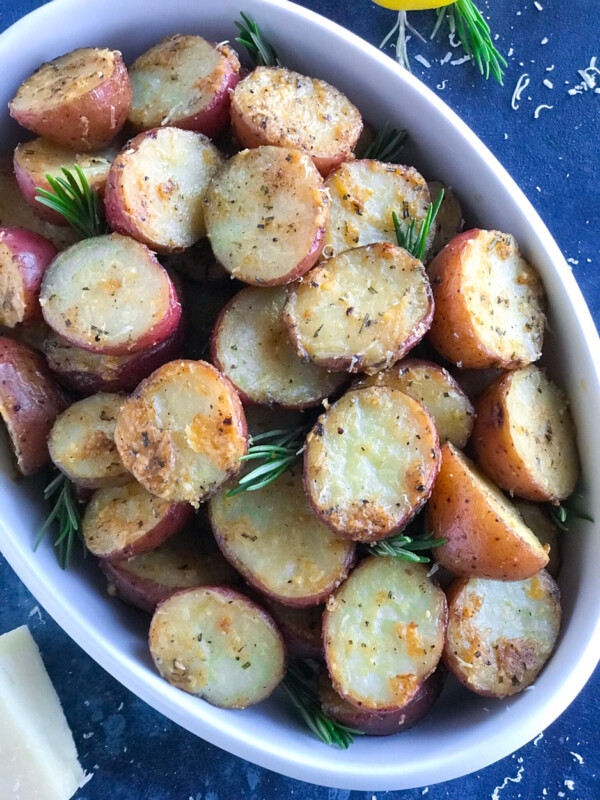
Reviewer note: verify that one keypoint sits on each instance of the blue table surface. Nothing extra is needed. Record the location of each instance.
(134, 752)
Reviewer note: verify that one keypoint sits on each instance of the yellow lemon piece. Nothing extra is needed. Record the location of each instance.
(412, 5)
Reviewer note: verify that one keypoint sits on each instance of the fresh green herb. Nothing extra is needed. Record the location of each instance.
(563, 514)
(75, 201)
(66, 513)
(387, 145)
(406, 547)
(303, 696)
(260, 50)
(413, 237)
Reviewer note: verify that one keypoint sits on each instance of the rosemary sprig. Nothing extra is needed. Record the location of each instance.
(303, 696)
(73, 199)
(260, 50)
(65, 511)
(406, 547)
(562, 514)
(413, 237)
(387, 145)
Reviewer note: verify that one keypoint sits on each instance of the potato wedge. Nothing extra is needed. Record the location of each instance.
(251, 346)
(276, 542)
(126, 521)
(489, 302)
(80, 100)
(24, 258)
(486, 535)
(361, 310)
(380, 723)
(524, 437)
(370, 462)
(501, 634)
(383, 633)
(182, 432)
(538, 521)
(183, 81)
(215, 643)
(301, 628)
(275, 106)
(110, 295)
(156, 186)
(436, 389)
(82, 442)
(363, 195)
(265, 214)
(449, 220)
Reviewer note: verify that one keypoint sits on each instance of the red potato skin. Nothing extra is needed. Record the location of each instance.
(298, 643)
(30, 401)
(32, 253)
(28, 188)
(89, 122)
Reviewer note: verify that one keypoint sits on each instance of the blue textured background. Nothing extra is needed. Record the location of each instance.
(136, 754)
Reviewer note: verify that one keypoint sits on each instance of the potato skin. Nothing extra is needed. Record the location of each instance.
(30, 401)
(301, 628)
(30, 255)
(480, 542)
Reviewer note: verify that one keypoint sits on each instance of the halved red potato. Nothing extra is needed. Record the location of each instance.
(546, 531)
(301, 628)
(383, 633)
(40, 157)
(436, 389)
(24, 258)
(486, 535)
(276, 542)
(30, 401)
(15, 211)
(276, 106)
(186, 82)
(449, 220)
(156, 186)
(524, 437)
(250, 345)
(183, 561)
(82, 442)
(89, 373)
(215, 643)
(265, 215)
(80, 99)
(363, 195)
(110, 295)
(489, 302)
(370, 462)
(501, 634)
(380, 723)
(125, 521)
(360, 310)
(183, 431)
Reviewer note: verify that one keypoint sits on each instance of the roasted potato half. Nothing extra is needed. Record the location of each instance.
(301, 628)
(501, 634)
(486, 535)
(24, 258)
(524, 437)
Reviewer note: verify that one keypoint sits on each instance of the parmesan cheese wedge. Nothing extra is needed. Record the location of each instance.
(38, 759)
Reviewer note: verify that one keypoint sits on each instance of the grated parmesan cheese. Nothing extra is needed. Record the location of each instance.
(540, 108)
(422, 60)
(522, 84)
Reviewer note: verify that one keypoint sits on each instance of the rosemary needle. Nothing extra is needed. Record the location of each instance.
(563, 513)
(73, 199)
(66, 513)
(406, 547)
(260, 50)
(413, 237)
(387, 145)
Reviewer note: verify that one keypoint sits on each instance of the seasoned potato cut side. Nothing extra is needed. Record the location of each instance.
(449, 220)
(363, 195)
(182, 432)
(215, 643)
(486, 535)
(501, 634)
(538, 521)
(279, 107)
(34, 160)
(127, 521)
(251, 346)
(183, 81)
(80, 99)
(274, 539)
(82, 442)
(436, 389)
(370, 462)
(266, 212)
(361, 310)
(156, 187)
(110, 295)
(489, 302)
(24, 258)
(301, 628)
(524, 437)
(383, 632)
(380, 723)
